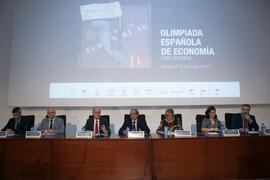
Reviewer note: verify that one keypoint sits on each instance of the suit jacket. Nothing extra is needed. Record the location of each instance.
(237, 122)
(141, 124)
(89, 126)
(58, 125)
(22, 127)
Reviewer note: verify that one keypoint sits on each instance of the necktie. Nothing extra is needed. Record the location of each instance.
(246, 124)
(96, 131)
(133, 126)
(50, 123)
(16, 124)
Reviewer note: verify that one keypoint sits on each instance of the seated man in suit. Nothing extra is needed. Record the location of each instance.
(244, 120)
(134, 123)
(52, 124)
(18, 124)
(97, 124)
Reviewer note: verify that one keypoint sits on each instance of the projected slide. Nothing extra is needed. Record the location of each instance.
(136, 53)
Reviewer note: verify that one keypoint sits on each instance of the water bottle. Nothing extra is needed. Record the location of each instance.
(165, 131)
(32, 128)
(262, 128)
(83, 128)
(127, 130)
(221, 129)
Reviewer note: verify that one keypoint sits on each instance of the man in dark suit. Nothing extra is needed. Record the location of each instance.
(244, 120)
(134, 123)
(18, 124)
(97, 124)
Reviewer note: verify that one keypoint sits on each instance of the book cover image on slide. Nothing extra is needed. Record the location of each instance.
(115, 36)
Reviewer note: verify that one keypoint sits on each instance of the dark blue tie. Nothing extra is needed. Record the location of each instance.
(133, 126)
(50, 123)
(17, 123)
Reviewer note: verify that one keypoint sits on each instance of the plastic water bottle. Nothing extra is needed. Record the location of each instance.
(127, 130)
(32, 128)
(221, 129)
(165, 131)
(83, 128)
(262, 128)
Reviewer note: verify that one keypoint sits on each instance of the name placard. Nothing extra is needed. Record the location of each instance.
(3, 134)
(267, 132)
(231, 132)
(84, 134)
(33, 134)
(253, 132)
(136, 134)
(181, 133)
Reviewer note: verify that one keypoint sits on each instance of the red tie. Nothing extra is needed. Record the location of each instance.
(96, 127)
(246, 124)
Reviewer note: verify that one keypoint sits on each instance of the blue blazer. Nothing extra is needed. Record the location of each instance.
(238, 122)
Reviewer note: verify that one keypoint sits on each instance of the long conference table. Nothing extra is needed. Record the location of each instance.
(154, 157)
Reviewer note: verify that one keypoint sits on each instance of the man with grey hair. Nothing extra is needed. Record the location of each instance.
(97, 123)
(244, 120)
(52, 124)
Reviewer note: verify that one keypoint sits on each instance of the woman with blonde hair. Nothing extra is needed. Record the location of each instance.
(170, 121)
